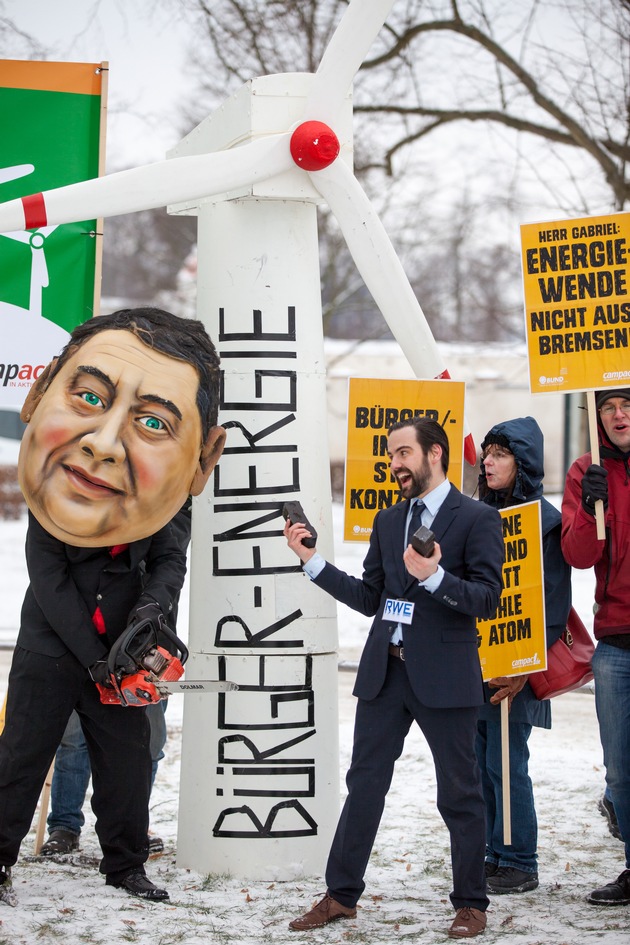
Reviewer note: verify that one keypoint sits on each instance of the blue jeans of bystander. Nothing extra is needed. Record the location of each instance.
(611, 667)
(70, 780)
(521, 852)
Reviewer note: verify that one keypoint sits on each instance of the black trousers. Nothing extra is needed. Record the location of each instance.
(379, 735)
(42, 693)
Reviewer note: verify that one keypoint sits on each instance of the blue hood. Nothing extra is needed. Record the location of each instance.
(525, 440)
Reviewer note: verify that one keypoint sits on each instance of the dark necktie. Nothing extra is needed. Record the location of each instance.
(416, 519)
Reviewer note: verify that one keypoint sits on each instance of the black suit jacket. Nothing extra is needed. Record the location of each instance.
(67, 584)
(441, 642)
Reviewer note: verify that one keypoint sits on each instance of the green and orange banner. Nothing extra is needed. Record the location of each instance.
(52, 116)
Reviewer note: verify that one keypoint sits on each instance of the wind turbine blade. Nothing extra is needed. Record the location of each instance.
(155, 185)
(380, 268)
(384, 276)
(348, 47)
(15, 172)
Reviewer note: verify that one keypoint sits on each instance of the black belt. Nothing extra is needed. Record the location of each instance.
(620, 640)
(397, 651)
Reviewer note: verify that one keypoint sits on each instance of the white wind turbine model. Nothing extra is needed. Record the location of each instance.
(313, 145)
(259, 771)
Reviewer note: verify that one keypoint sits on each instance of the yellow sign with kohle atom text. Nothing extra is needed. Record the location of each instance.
(577, 302)
(513, 641)
(375, 405)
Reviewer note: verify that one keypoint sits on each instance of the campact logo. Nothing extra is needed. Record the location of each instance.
(14, 375)
(615, 375)
(526, 661)
(550, 380)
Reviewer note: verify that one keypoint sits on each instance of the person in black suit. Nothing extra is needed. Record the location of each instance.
(122, 427)
(72, 772)
(426, 668)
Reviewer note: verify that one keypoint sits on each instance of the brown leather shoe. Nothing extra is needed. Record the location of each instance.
(467, 922)
(323, 912)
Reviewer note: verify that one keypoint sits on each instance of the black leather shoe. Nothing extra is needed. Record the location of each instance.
(613, 894)
(607, 810)
(59, 843)
(137, 883)
(509, 879)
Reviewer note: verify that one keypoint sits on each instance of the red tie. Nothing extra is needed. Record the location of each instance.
(97, 617)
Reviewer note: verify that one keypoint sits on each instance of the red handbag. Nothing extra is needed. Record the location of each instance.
(568, 661)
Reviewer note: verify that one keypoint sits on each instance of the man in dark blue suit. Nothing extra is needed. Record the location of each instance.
(420, 662)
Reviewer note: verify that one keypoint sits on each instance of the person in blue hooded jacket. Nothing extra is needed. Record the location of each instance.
(512, 473)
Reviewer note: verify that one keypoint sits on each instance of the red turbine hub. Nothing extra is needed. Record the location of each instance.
(314, 145)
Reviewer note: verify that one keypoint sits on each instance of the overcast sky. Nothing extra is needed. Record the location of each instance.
(145, 45)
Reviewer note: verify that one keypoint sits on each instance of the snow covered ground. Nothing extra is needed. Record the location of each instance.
(408, 879)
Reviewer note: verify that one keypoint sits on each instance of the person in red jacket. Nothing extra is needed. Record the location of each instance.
(586, 483)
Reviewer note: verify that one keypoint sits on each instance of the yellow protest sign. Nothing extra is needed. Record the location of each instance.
(577, 307)
(513, 642)
(374, 405)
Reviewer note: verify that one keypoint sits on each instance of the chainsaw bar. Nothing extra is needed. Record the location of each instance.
(193, 685)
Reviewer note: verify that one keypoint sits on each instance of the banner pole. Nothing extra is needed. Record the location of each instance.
(98, 259)
(505, 771)
(44, 800)
(594, 439)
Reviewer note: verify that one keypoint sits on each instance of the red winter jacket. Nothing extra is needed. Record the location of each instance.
(610, 557)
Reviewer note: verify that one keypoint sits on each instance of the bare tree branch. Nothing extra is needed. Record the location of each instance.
(568, 131)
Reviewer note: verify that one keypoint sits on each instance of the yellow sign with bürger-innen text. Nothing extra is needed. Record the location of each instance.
(374, 405)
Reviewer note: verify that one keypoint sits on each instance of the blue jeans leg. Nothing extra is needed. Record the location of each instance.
(521, 852)
(70, 780)
(157, 722)
(611, 667)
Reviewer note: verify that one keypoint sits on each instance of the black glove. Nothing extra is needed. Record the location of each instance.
(594, 487)
(149, 611)
(100, 674)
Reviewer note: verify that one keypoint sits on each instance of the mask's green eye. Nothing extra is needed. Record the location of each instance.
(153, 423)
(90, 398)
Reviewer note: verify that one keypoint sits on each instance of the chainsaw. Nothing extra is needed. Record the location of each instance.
(142, 672)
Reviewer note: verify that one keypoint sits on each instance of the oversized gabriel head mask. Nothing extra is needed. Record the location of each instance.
(121, 428)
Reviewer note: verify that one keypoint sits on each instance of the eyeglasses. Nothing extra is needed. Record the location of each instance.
(496, 454)
(608, 410)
